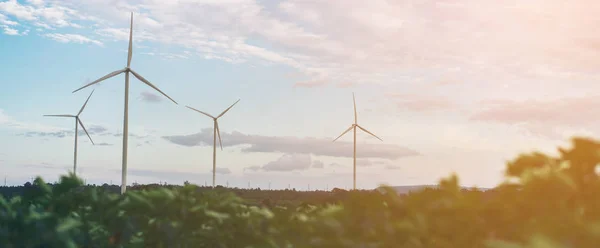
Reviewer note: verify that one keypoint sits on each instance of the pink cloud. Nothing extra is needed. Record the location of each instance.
(565, 111)
(555, 119)
(345, 85)
(363, 42)
(309, 84)
(421, 103)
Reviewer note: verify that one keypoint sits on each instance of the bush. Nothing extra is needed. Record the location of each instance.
(545, 202)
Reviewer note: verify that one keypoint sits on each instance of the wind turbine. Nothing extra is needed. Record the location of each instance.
(77, 123)
(353, 127)
(215, 133)
(126, 70)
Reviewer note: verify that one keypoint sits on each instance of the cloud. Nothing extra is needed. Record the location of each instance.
(310, 84)
(421, 103)
(317, 164)
(58, 134)
(72, 38)
(223, 171)
(13, 7)
(173, 56)
(7, 121)
(46, 165)
(287, 162)
(315, 146)
(130, 135)
(150, 97)
(358, 42)
(92, 130)
(146, 142)
(145, 136)
(36, 2)
(96, 129)
(361, 162)
(10, 31)
(564, 111)
(5, 21)
(345, 85)
(336, 165)
(8, 26)
(364, 162)
(44, 14)
(253, 168)
(554, 118)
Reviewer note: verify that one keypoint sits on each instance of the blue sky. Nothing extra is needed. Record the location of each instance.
(449, 86)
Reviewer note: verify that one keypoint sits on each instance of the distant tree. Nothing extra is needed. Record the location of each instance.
(338, 190)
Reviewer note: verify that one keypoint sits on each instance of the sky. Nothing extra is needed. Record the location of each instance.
(459, 86)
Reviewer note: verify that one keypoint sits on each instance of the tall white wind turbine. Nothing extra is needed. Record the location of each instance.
(215, 133)
(77, 123)
(126, 70)
(353, 127)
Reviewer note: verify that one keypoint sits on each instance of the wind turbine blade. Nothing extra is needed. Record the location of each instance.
(347, 130)
(60, 115)
(138, 76)
(86, 132)
(369, 132)
(200, 112)
(228, 108)
(86, 101)
(355, 116)
(129, 53)
(112, 74)
(219, 134)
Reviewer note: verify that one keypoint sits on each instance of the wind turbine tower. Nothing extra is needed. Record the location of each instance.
(353, 127)
(127, 70)
(77, 123)
(216, 133)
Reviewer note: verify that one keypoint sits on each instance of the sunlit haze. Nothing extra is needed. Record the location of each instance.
(450, 86)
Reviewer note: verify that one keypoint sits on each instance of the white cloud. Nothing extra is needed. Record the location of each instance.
(72, 38)
(7, 121)
(223, 171)
(36, 2)
(289, 162)
(5, 21)
(7, 26)
(10, 31)
(13, 7)
(317, 164)
(150, 97)
(555, 118)
(173, 56)
(353, 42)
(308, 145)
(40, 13)
(3, 117)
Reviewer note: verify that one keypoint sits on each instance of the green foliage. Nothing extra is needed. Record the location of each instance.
(545, 202)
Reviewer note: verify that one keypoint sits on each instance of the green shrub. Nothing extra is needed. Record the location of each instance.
(545, 202)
